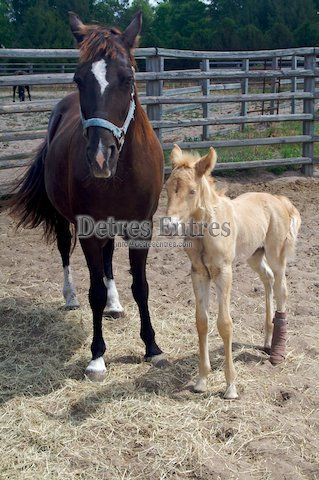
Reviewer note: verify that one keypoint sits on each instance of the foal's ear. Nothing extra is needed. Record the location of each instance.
(77, 26)
(206, 164)
(130, 35)
(176, 156)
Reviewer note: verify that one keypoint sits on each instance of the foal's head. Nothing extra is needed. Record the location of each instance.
(105, 79)
(189, 187)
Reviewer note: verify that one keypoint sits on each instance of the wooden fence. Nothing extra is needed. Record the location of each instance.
(295, 70)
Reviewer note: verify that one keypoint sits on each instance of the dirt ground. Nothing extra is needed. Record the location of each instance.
(142, 422)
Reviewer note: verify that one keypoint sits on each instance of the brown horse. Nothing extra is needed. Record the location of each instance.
(90, 165)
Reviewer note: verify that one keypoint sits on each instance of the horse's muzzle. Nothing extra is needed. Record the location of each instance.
(103, 163)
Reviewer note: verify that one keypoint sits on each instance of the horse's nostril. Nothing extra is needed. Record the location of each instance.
(110, 152)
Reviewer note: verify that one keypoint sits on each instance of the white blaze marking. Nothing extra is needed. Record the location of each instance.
(113, 301)
(97, 365)
(99, 71)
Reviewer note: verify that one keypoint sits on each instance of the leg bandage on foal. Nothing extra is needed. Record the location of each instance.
(279, 337)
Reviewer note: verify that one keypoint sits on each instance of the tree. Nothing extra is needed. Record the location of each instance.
(6, 27)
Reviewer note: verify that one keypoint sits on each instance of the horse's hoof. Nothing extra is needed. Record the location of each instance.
(95, 376)
(231, 393)
(158, 361)
(114, 314)
(200, 386)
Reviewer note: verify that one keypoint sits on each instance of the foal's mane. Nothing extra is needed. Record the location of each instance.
(100, 41)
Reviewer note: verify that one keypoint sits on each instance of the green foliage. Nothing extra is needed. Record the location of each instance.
(186, 24)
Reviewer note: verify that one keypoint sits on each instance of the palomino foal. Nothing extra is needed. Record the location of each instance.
(257, 227)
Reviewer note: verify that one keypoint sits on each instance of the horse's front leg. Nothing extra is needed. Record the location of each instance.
(114, 308)
(223, 279)
(140, 293)
(93, 252)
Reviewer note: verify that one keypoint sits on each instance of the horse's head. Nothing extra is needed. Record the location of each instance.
(105, 79)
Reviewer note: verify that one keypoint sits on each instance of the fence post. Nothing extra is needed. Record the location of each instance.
(155, 88)
(293, 82)
(274, 66)
(244, 90)
(204, 66)
(309, 107)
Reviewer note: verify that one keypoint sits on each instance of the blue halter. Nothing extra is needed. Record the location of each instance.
(118, 132)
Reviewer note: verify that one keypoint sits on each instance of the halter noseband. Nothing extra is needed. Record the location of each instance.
(118, 132)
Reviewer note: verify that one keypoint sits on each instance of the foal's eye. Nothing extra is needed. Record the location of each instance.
(192, 191)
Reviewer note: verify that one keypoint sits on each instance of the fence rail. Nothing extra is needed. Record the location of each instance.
(294, 69)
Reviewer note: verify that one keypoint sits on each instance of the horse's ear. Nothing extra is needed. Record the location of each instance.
(176, 156)
(130, 35)
(77, 27)
(206, 164)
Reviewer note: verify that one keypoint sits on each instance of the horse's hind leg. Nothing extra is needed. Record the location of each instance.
(278, 344)
(113, 307)
(64, 238)
(260, 265)
(140, 293)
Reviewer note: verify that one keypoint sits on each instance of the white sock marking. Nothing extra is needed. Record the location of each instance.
(113, 301)
(69, 292)
(99, 71)
(97, 365)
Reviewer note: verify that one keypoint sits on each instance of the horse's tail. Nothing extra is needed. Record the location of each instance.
(294, 226)
(29, 203)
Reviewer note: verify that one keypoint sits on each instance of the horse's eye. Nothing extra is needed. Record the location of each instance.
(127, 80)
(192, 192)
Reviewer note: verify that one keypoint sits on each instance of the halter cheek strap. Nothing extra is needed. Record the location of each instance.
(118, 132)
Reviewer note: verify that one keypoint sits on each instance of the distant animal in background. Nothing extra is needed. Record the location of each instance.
(21, 88)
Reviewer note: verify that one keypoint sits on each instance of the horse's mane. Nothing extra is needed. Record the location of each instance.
(100, 41)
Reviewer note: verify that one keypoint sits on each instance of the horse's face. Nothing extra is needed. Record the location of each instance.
(105, 85)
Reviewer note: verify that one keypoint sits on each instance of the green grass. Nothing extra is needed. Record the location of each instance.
(262, 152)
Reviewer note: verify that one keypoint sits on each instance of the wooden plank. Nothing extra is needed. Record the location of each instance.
(274, 66)
(230, 120)
(165, 99)
(23, 135)
(309, 108)
(16, 156)
(226, 166)
(180, 75)
(245, 142)
(13, 164)
(27, 107)
(60, 53)
(283, 52)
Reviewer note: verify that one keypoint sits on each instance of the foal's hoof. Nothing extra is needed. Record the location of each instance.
(200, 386)
(158, 361)
(231, 393)
(95, 376)
(114, 314)
(71, 307)
(266, 350)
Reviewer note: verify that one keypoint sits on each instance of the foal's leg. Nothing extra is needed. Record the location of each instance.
(140, 293)
(201, 282)
(223, 280)
(92, 250)
(260, 265)
(278, 344)
(113, 307)
(64, 245)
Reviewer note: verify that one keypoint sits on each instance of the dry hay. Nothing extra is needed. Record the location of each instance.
(144, 423)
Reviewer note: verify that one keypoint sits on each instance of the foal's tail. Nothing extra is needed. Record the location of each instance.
(294, 226)
(29, 203)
